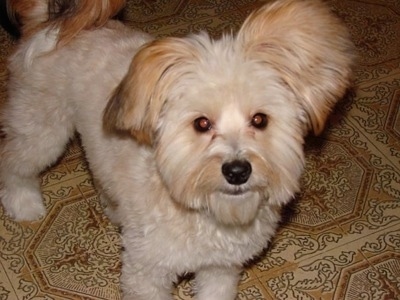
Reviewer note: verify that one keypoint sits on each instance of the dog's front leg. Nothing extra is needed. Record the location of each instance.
(140, 281)
(216, 283)
(139, 287)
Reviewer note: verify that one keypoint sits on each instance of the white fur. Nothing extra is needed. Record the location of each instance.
(178, 212)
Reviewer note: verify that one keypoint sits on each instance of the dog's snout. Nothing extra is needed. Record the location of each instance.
(236, 172)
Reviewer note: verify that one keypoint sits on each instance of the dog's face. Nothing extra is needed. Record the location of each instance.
(227, 118)
(229, 137)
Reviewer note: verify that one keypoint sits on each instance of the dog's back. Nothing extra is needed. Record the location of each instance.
(63, 70)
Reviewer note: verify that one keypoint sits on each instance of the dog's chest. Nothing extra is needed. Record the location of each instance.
(183, 247)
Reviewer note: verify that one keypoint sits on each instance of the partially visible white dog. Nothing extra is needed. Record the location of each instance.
(196, 143)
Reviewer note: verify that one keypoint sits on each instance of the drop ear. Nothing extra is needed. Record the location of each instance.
(305, 43)
(136, 103)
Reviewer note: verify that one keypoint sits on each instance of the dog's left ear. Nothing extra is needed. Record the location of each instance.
(308, 46)
(137, 102)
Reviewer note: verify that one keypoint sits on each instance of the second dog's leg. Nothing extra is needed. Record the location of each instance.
(217, 283)
(25, 151)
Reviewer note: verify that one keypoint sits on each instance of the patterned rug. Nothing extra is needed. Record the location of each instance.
(340, 238)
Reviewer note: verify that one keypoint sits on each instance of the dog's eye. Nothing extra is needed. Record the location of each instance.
(202, 124)
(259, 121)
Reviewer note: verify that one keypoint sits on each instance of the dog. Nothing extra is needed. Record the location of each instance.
(195, 143)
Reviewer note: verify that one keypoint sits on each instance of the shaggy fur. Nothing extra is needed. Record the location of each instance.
(197, 143)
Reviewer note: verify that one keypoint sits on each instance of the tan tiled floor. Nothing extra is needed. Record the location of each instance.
(340, 238)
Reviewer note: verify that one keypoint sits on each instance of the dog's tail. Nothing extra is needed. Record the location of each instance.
(69, 16)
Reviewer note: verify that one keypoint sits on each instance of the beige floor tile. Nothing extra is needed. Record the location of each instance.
(74, 281)
(253, 290)
(14, 239)
(226, 22)
(184, 290)
(159, 15)
(24, 286)
(314, 278)
(6, 288)
(292, 247)
(382, 250)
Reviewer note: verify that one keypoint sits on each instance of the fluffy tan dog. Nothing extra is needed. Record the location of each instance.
(197, 143)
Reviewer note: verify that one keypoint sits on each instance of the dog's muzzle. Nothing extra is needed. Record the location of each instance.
(237, 172)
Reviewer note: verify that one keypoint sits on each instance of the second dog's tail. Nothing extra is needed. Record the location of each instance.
(70, 16)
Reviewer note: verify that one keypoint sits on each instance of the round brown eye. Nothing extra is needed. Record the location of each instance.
(259, 121)
(202, 124)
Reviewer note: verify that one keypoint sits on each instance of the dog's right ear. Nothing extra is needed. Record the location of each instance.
(137, 102)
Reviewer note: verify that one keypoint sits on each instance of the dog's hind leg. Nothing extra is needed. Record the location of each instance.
(32, 139)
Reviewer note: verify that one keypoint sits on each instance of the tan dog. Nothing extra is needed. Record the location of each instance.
(216, 129)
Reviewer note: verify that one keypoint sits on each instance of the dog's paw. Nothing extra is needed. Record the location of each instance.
(23, 204)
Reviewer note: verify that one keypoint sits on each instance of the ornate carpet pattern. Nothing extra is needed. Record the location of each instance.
(340, 238)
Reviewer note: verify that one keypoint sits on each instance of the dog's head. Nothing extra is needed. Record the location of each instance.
(227, 118)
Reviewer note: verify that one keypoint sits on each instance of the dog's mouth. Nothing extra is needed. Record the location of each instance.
(237, 191)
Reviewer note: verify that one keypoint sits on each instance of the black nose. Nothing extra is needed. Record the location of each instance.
(236, 172)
